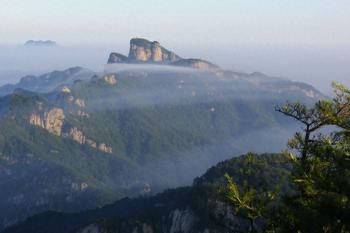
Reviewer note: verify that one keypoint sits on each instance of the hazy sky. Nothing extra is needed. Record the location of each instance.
(204, 22)
(306, 40)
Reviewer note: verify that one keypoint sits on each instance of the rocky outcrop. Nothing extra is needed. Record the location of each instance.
(104, 148)
(66, 89)
(54, 121)
(157, 53)
(35, 119)
(83, 186)
(142, 50)
(76, 187)
(111, 79)
(117, 58)
(77, 135)
(182, 221)
(225, 213)
(83, 114)
(80, 103)
(145, 51)
(67, 96)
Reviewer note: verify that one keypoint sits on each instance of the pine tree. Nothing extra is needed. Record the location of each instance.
(321, 167)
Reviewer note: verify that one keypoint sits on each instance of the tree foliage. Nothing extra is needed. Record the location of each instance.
(249, 202)
(321, 173)
(320, 156)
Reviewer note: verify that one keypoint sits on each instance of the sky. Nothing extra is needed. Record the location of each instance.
(280, 29)
(249, 22)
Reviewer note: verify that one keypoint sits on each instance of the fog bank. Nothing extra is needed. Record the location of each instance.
(316, 66)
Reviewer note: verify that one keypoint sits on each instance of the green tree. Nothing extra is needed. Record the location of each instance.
(321, 167)
(320, 157)
(249, 202)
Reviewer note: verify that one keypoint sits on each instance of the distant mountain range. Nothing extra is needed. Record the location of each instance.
(42, 43)
(76, 139)
(48, 82)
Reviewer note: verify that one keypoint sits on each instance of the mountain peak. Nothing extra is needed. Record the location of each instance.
(143, 51)
(142, 42)
(46, 43)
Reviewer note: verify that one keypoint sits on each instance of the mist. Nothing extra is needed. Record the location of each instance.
(173, 86)
(318, 66)
(315, 66)
(182, 168)
(17, 61)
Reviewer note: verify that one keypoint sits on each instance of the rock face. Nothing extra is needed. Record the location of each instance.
(54, 121)
(182, 221)
(80, 103)
(83, 114)
(35, 119)
(145, 51)
(142, 50)
(104, 148)
(66, 90)
(110, 79)
(77, 135)
(117, 58)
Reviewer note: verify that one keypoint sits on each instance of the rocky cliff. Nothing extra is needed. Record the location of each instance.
(111, 79)
(53, 121)
(77, 135)
(142, 50)
(117, 58)
(103, 147)
(145, 51)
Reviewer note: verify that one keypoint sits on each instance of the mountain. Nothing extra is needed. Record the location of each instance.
(145, 51)
(41, 43)
(49, 81)
(74, 139)
(199, 208)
